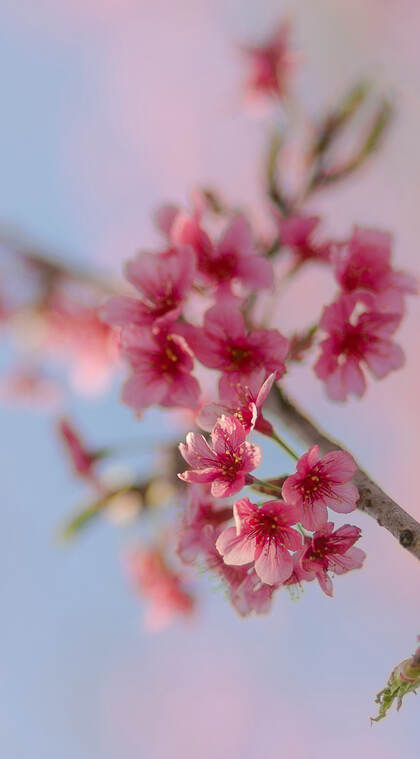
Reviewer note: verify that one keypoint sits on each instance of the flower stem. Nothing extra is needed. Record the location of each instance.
(285, 446)
(266, 485)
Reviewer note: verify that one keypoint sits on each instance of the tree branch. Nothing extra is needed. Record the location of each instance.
(373, 500)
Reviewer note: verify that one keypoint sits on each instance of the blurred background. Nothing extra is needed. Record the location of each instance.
(109, 108)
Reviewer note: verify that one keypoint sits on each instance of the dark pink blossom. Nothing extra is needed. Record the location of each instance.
(330, 551)
(363, 263)
(226, 463)
(225, 344)
(82, 459)
(299, 233)
(164, 281)
(243, 399)
(263, 535)
(201, 510)
(162, 364)
(271, 64)
(320, 484)
(247, 594)
(354, 340)
(232, 258)
(160, 585)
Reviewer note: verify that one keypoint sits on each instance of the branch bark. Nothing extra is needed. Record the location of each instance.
(373, 500)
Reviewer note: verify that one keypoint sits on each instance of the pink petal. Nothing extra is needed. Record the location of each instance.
(197, 452)
(138, 395)
(274, 564)
(344, 498)
(235, 549)
(339, 465)
(184, 391)
(222, 488)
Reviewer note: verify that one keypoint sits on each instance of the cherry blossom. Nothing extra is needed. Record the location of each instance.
(321, 483)
(354, 340)
(262, 535)
(243, 399)
(299, 233)
(162, 364)
(201, 510)
(164, 280)
(330, 551)
(226, 463)
(225, 344)
(364, 263)
(271, 64)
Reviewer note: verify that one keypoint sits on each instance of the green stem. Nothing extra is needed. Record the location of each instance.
(285, 446)
(267, 485)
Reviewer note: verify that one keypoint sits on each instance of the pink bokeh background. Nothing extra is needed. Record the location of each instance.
(112, 108)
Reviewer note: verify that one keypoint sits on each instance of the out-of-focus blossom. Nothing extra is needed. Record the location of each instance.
(163, 280)
(162, 364)
(201, 510)
(82, 459)
(28, 386)
(330, 551)
(354, 340)
(73, 333)
(263, 535)
(244, 400)
(226, 463)
(320, 484)
(404, 679)
(270, 64)
(160, 585)
(300, 234)
(225, 344)
(363, 263)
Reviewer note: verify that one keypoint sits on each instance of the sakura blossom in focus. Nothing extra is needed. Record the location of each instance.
(262, 535)
(164, 280)
(354, 340)
(243, 399)
(299, 233)
(270, 64)
(363, 263)
(320, 484)
(330, 551)
(162, 364)
(161, 586)
(225, 463)
(225, 344)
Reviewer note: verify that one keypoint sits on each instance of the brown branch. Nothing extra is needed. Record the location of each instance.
(373, 500)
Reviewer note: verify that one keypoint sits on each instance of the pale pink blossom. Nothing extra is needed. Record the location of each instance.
(160, 585)
(164, 280)
(201, 509)
(225, 344)
(243, 399)
(225, 463)
(263, 535)
(354, 340)
(300, 234)
(162, 364)
(363, 263)
(270, 64)
(320, 484)
(330, 551)
(28, 386)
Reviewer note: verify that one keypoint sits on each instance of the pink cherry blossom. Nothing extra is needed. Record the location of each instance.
(225, 344)
(262, 535)
(232, 258)
(299, 233)
(201, 510)
(354, 340)
(321, 483)
(242, 399)
(271, 64)
(162, 364)
(226, 463)
(160, 585)
(247, 594)
(164, 280)
(364, 263)
(330, 551)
